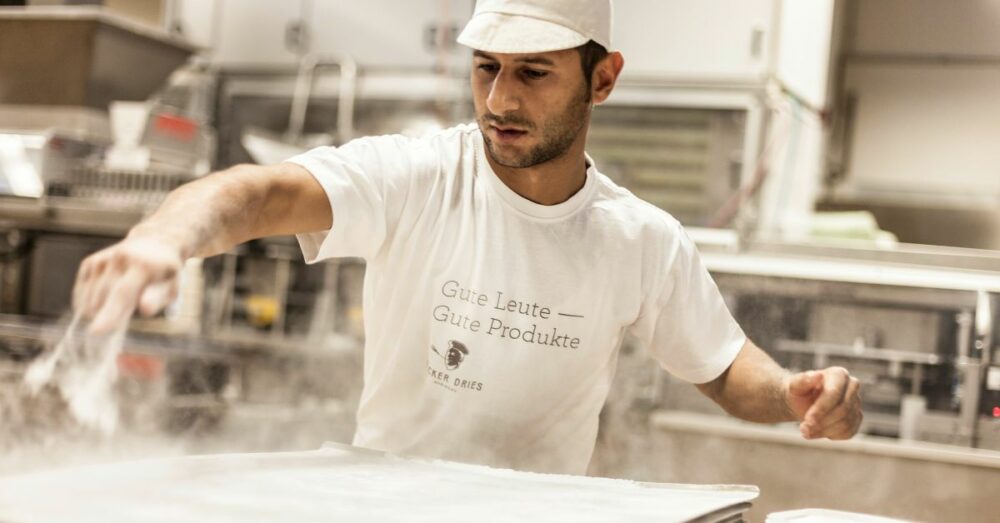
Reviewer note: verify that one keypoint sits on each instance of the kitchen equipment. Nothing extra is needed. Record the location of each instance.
(909, 321)
(266, 148)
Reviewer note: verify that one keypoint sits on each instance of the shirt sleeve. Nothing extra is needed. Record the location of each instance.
(685, 323)
(367, 182)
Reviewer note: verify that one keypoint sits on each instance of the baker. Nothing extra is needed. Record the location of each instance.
(511, 205)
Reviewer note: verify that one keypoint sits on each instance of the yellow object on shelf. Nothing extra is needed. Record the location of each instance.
(261, 310)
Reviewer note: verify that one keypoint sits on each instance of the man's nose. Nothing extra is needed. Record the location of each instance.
(504, 96)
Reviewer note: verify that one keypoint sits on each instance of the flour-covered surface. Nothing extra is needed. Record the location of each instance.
(818, 515)
(342, 483)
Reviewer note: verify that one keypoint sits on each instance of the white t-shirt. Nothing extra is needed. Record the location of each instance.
(493, 323)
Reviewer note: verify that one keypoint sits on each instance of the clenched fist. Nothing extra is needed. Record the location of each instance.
(827, 402)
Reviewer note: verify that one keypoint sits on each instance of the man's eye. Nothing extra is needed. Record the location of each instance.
(535, 75)
(489, 68)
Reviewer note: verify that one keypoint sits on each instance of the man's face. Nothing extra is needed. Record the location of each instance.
(530, 107)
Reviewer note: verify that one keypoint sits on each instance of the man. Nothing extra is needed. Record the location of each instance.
(501, 238)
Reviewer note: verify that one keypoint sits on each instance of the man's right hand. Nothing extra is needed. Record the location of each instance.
(140, 272)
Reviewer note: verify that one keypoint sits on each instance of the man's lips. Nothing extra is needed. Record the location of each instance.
(508, 129)
(507, 134)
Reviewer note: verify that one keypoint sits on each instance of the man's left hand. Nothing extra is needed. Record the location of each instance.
(827, 402)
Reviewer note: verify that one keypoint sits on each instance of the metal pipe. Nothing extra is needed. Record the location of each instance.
(963, 338)
(918, 379)
(282, 278)
(968, 374)
(324, 314)
(227, 288)
(304, 84)
(984, 327)
(971, 384)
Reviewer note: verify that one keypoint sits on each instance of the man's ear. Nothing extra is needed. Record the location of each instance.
(605, 75)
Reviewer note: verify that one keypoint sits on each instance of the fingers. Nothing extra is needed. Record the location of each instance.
(122, 298)
(835, 380)
(843, 420)
(838, 431)
(157, 296)
(90, 271)
(99, 286)
(82, 277)
(843, 428)
(133, 274)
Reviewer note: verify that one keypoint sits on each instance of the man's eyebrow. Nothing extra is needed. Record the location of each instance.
(539, 60)
(536, 60)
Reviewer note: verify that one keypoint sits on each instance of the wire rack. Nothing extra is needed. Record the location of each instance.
(118, 187)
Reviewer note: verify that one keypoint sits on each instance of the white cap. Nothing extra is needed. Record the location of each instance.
(537, 26)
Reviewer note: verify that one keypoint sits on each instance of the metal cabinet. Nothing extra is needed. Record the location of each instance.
(377, 33)
(708, 40)
(253, 32)
(714, 40)
(390, 33)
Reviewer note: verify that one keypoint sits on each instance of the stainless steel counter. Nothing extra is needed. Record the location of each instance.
(69, 216)
(788, 434)
(911, 481)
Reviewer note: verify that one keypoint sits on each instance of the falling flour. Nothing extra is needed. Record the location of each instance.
(84, 369)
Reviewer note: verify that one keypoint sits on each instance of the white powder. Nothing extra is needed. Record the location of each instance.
(84, 370)
(341, 483)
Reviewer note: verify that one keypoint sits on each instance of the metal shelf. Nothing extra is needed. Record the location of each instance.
(864, 353)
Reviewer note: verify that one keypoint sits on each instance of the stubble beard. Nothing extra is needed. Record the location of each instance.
(557, 134)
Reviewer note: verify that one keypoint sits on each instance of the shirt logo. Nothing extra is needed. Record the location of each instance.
(455, 356)
(452, 359)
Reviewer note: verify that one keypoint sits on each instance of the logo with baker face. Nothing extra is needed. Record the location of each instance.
(454, 356)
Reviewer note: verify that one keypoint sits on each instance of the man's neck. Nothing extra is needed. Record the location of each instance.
(549, 183)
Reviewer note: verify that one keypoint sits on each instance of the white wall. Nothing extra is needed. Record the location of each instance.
(926, 130)
(915, 27)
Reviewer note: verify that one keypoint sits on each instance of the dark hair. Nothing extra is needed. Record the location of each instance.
(591, 54)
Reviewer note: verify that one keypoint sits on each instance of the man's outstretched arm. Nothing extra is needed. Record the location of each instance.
(205, 217)
(756, 388)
